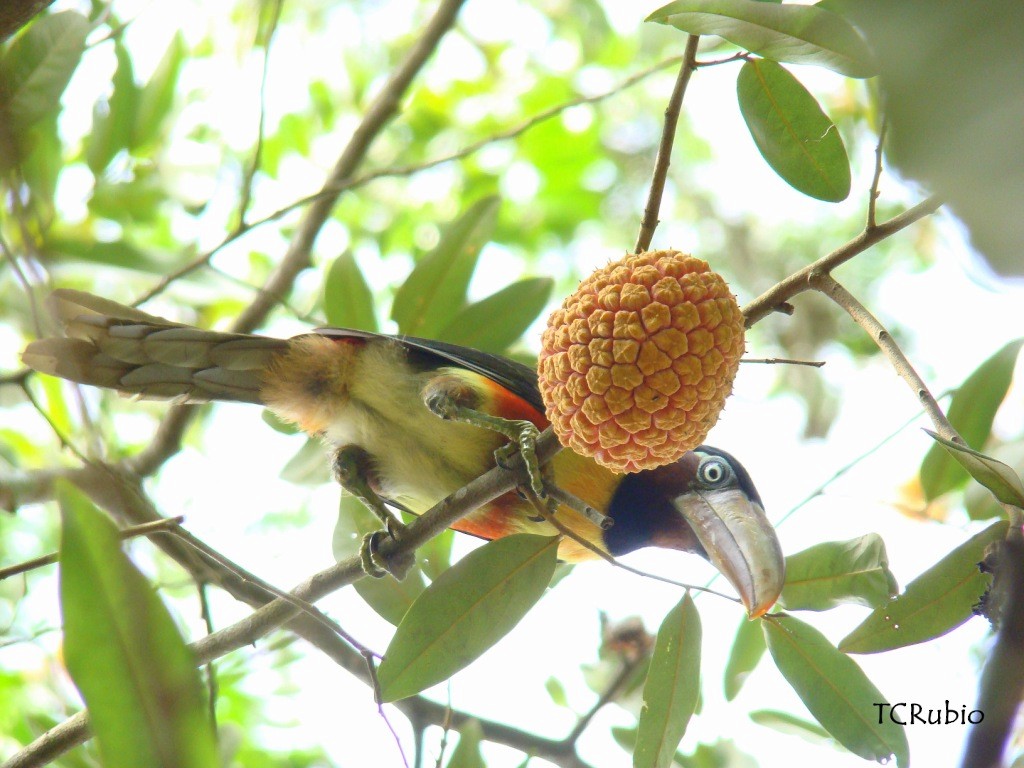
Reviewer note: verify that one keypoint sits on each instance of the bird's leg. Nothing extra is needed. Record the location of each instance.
(452, 399)
(353, 471)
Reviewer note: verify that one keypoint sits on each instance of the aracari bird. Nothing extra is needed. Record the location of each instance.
(376, 399)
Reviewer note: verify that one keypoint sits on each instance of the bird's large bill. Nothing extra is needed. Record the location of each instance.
(740, 543)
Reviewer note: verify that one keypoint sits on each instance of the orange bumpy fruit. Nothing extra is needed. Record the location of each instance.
(636, 365)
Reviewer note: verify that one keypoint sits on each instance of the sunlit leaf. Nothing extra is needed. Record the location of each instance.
(798, 34)
(937, 601)
(836, 572)
(792, 133)
(436, 290)
(348, 300)
(672, 687)
(278, 424)
(69, 247)
(467, 751)
(747, 649)
(834, 689)
(114, 119)
(38, 66)
(495, 323)
(784, 722)
(157, 96)
(971, 412)
(309, 466)
(1004, 483)
(556, 691)
(465, 611)
(124, 653)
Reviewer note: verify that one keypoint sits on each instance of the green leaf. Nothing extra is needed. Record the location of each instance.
(157, 96)
(124, 653)
(971, 412)
(834, 689)
(70, 247)
(495, 323)
(388, 597)
(798, 34)
(278, 424)
(1004, 483)
(836, 572)
(556, 691)
(784, 722)
(747, 650)
(348, 300)
(38, 66)
(436, 290)
(937, 601)
(792, 133)
(470, 607)
(113, 121)
(672, 687)
(309, 466)
(435, 557)
(979, 501)
(467, 751)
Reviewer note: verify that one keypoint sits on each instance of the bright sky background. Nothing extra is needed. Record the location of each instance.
(225, 489)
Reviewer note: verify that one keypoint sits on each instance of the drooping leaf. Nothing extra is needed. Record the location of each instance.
(278, 424)
(348, 300)
(798, 34)
(388, 597)
(1004, 483)
(971, 412)
(792, 133)
(979, 501)
(124, 653)
(157, 96)
(784, 722)
(834, 689)
(747, 650)
(465, 611)
(114, 120)
(937, 601)
(836, 572)
(38, 66)
(436, 290)
(495, 323)
(467, 751)
(671, 689)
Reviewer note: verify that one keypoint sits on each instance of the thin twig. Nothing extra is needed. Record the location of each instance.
(782, 361)
(211, 668)
(873, 191)
(668, 134)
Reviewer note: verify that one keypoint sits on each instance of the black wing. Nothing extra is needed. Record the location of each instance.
(514, 376)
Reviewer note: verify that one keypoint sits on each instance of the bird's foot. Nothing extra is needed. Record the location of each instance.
(376, 564)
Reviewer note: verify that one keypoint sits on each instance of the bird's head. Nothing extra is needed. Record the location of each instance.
(707, 504)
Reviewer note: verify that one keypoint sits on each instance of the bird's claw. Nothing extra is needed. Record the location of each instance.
(378, 566)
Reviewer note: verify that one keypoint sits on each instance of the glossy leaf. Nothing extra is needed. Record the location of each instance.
(937, 601)
(388, 597)
(348, 300)
(1004, 483)
(798, 34)
(38, 66)
(784, 722)
(834, 689)
(672, 687)
(836, 572)
(971, 412)
(465, 611)
(467, 751)
(792, 133)
(436, 290)
(157, 96)
(747, 649)
(495, 323)
(124, 653)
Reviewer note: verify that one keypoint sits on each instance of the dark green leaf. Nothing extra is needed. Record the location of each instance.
(784, 722)
(388, 597)
(1004, 483)
(348, 300)
(465, 611)
(672, 687)
(38, 65)
(309, 466)
(747, 650)
(937, 601)
(792, 133)
(495, 323)
(124, 653)
(799, 34)
(113, 120)
(436, 290)
(834, 689)
(836, 572)
(467, 751)
(971, 412)
(157, 96)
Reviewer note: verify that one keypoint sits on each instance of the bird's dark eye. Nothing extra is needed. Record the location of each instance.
(713, 472)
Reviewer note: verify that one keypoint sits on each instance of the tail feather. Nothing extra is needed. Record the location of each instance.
(118, 347)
